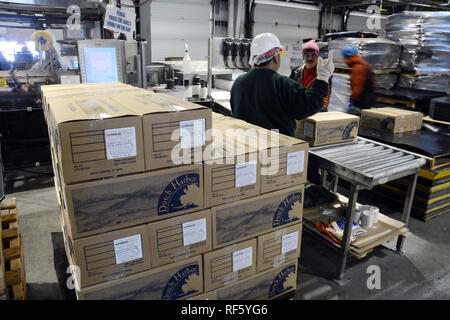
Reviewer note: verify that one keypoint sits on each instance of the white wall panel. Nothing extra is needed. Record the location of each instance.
(174, 22)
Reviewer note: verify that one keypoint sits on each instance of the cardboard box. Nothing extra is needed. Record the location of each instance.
(328, 127)
(231, 168)
(230, 264)
(179, 280)
(278, 247)
(391, 119)
(179, 238)
(95, 138)
(267, 285)
(110, 204)
(283, 160)
(252, 217)
(172, 128)
(108, 256)
(73, 91)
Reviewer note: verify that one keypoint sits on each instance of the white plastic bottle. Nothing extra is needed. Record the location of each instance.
(187, 62)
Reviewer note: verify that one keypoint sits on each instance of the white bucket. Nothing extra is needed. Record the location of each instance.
(375, 211)
(367, 219)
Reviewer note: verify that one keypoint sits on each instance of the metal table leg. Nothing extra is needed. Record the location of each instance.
(335, 183)
(323, 178)
(407, 210)
(353, 196)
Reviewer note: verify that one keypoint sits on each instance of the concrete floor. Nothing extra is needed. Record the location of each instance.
(423, 272)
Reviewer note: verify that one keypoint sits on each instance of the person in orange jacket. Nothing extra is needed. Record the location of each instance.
(306, 73)
(362, 81)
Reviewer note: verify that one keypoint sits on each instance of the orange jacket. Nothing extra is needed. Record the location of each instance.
(358, 75)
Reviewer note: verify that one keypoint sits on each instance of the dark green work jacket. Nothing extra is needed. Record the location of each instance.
(272, 101)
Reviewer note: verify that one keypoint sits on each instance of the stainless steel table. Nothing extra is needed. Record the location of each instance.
(365, 163)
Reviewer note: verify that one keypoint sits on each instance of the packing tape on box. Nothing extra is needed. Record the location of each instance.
(231, 278)
(280, 233)
(279, 260)
(93, 109)
(182, 253)
(115, 275)
(163, 103)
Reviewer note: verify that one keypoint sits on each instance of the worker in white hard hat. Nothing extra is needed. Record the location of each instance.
(267, 99)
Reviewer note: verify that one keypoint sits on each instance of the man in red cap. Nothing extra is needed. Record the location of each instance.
(306, 73)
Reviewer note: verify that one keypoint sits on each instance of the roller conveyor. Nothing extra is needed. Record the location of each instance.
(366, 163)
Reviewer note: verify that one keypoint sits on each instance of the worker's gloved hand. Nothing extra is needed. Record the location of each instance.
(325, 68)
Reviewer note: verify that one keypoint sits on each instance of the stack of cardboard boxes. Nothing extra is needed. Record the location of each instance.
(152, 212)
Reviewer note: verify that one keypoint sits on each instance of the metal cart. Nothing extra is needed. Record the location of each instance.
(365, 163)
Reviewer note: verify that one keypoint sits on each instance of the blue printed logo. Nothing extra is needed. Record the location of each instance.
(181, 194)
(181, 284)
(287, 209)
(281, 282)
(348, 130)
(387, 124)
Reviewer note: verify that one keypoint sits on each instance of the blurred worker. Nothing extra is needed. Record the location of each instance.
(362, 81)
(306, 73)
(272, 101)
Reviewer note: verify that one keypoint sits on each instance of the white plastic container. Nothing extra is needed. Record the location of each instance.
(375, 211)
(357, 216)
(187, 62)
(367, 219)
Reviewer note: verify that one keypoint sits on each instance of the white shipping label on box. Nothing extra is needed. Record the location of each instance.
(245, 173)
(242, 259)
(289, 242)
(194, 231)
(308, 130)
(192, 133)
(120, 143)
(128, 249)
(295, 162)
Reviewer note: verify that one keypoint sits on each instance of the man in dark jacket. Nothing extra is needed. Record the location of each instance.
(272, 101)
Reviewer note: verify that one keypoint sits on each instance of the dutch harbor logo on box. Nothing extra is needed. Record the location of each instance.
(282, 281)
(180, 194)
(287, 209)
(349, 129)
(182, 283)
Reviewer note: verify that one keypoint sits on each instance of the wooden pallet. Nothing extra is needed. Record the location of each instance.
(12, 251)
(398, 102)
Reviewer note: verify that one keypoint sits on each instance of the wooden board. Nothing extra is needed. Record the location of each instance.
(404, 103)
(12, 253)
(2, 268)
(436, 122)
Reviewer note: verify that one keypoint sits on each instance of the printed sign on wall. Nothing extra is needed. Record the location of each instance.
(119, 20)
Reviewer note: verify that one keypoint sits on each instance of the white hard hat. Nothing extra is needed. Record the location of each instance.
(262, 44)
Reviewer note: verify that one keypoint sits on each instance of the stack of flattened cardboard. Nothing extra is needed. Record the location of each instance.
(385, 230)
(155, 205)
